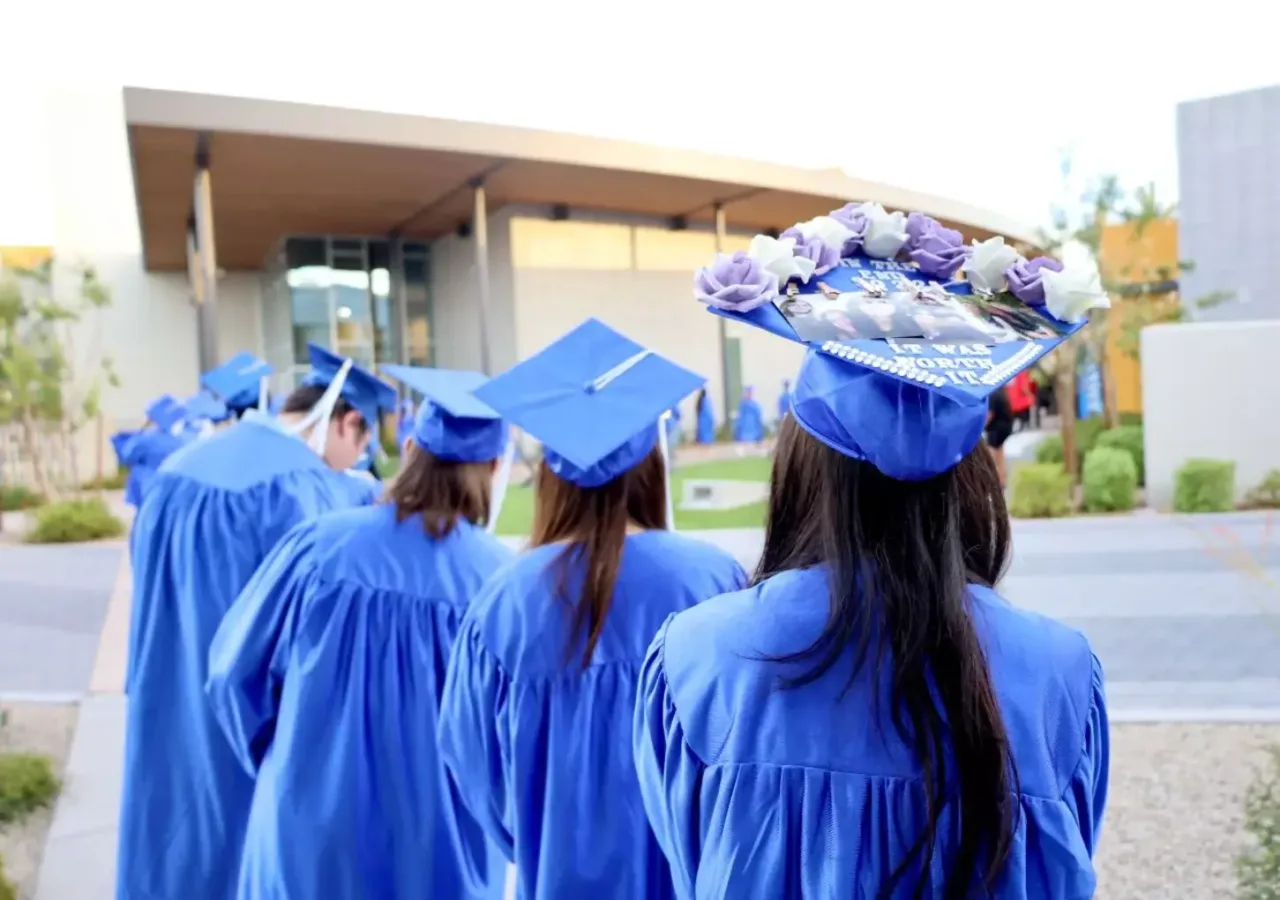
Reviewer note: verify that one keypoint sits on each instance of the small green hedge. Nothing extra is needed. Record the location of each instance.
(74, 521)
(7, 890)
(1267, 494)
(1129, 439)
(1110, 480)
(1087, 432)
(1205, 485)
(27, 783)
(1040, 491)
(14, 497)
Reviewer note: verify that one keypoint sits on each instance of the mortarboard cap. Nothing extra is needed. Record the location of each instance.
(204, 406)
(903, 357)
(237, 381)
(593, 398)
(165, 412)
(362, 389)
(454, 425)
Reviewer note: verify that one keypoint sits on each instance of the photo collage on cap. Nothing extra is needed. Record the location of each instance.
(873, 299)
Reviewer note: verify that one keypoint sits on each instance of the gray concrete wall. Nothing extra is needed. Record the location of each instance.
(1208, 390)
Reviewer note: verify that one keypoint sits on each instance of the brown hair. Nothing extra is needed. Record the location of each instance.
(901, 556)
(303, 399)
(441, 492)
(593, 522)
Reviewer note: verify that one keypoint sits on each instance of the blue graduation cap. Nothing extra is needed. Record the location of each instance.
(593, 398)
(362, 389)
(453, 425)
(237, 381)
(165, 412)
(902, 357)
(204, 406)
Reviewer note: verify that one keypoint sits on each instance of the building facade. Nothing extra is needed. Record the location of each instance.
(224, 224)
(1229, 202)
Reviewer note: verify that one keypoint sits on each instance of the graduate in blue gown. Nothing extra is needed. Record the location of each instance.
(213, 513)
(536, 719)
(706, 433)
(240, 383)
(793, 739)
(337, 719)
(405, 425)
(748, 427)
(142, 452)
(784, 401)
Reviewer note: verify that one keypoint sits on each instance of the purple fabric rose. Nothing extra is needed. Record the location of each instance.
(735, 282)
(824, 256)
(1026, 281)
(850, 217)
(938, 251)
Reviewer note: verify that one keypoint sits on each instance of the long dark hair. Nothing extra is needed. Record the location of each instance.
(441, 492)
(900, 557)
(303, 399)
(593, 522)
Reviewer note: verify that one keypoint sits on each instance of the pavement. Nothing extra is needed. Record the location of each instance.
(1184, 613)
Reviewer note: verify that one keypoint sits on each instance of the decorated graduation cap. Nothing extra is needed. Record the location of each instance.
(594, 398)
(903, 351)
(453, 425)
(239, 382)
(165, 412)
(366, 392)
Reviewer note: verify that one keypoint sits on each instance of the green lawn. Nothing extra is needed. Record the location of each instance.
(517, 510)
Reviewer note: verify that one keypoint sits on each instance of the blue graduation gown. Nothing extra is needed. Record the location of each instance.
(759, 792)
(213, 513)
(539, 749)
(326, 677)
(143, 452)
(706, 424)
(749, 426)
(784, 404)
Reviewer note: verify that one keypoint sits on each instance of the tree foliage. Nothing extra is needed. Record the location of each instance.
(48, 391)
(1145, 290)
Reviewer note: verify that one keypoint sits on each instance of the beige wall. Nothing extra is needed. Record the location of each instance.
(636, 276)
(455, 313)
(1208, 391)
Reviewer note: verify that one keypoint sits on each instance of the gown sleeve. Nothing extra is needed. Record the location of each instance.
(670, 772)
(473, 712)
(1087, 791)
(250, 651)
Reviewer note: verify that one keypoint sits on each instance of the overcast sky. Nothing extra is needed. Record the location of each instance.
(970, 100)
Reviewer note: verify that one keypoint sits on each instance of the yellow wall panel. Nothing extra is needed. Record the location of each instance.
(24, 257)
(548, 244)
(664, 250)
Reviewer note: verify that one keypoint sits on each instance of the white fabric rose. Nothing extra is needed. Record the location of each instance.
(1071, 293)
(886, 231)
(827, 230)
(777, 255)
(987, 264)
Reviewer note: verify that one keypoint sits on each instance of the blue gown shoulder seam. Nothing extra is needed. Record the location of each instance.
(1095, 680)
(670, 692)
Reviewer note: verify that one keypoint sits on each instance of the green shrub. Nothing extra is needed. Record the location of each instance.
(27, 783)
(1267, 494)
(387, 429)
(1050, 450)
(1258, 868)
(1131, 418)
(1129, 439)
(1110, 480)
(18, 496)
(1040, 490)
(73, 521)
(1204, 485)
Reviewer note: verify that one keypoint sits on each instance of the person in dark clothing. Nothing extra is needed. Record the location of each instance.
(999, 427)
